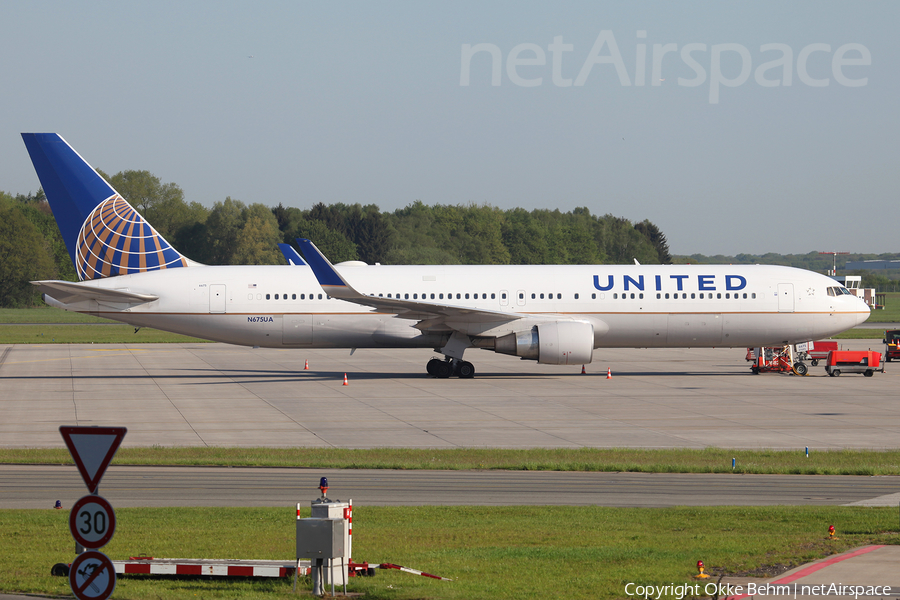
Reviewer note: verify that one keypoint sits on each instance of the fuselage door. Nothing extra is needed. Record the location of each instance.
(785, 297)
(297, 330)
(217, 298)
(520, 297)
(504, 298)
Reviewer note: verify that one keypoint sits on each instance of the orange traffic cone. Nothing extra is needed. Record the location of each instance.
(582, 370)
(345, 379)
(306, 366)
(609, 373)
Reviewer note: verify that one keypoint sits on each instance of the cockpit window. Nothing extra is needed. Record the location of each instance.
(838, 291)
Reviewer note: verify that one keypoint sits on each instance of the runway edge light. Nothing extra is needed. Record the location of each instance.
(700, 569)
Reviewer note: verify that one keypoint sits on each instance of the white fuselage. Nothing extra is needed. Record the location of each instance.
(628, 306)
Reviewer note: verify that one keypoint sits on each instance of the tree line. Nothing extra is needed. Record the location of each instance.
(234, 232)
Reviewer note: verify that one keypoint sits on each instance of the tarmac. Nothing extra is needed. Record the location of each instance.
(869, 571)
(222, 395)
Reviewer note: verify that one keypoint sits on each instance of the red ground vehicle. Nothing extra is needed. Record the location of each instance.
(818, 351)
(891, 345)
(775, 360)
(851, 361)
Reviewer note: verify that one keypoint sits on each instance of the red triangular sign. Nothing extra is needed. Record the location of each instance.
(92, 448)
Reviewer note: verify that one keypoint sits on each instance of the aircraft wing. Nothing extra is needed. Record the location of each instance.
(69, 292)
(432, 315)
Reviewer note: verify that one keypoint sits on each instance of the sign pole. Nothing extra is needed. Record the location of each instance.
(92, 520)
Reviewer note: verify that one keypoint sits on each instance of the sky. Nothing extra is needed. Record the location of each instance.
(746, 127)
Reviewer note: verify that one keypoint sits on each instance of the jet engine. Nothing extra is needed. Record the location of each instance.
(557, 343)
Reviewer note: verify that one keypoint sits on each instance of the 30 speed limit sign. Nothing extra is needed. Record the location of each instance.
(92, 522)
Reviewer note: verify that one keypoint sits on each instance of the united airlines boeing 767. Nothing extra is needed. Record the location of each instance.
(554, 314)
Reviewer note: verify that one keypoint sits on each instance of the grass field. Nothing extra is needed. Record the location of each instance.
(709, 460)
(891, 311)
(489, 552)
(46, 314)
(95, 333)
(47, 325)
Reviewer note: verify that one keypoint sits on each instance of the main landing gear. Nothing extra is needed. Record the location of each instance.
(442, 369)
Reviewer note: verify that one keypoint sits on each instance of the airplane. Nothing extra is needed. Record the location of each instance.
(553, 314)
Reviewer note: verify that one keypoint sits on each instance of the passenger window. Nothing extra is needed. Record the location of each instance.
(320, 296)
(594, 296)
(667, 295)
(615, 296)
(719, 295)
(753, 295)
(268, 297)
(406, 296)
(727, 296)
(457, 296)
(658, 295)
(467, 296)
(249, 296)
(293, 296)
(432, 296)
(494, 296)
(701, 295)
(542, 296)
(521, 296)
(632, 295)
(441, 296)
(532, 296)
(745, 295)
(276, 296)
(576, 296)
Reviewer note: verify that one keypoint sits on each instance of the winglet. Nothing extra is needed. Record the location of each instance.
(328, 277)
(291, 255)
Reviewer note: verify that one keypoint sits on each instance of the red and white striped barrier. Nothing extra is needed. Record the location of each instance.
(408, 570)
(215, 568)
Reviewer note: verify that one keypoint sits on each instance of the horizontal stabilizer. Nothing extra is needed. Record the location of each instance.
(68, 292)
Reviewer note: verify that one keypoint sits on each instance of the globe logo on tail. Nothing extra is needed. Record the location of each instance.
(116, 240)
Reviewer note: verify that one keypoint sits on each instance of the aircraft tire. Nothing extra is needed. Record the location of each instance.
(431, 366)
(465, 370)
(815, 362)
(801, 369)
(443, 369)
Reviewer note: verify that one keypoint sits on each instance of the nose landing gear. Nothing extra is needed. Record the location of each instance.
(442, 369)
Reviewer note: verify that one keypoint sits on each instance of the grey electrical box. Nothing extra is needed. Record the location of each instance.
(320, 538)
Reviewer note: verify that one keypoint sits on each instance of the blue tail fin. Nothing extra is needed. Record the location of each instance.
(105, 236)
(291, 255)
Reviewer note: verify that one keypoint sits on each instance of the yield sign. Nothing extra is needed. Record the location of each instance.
(92, 448)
